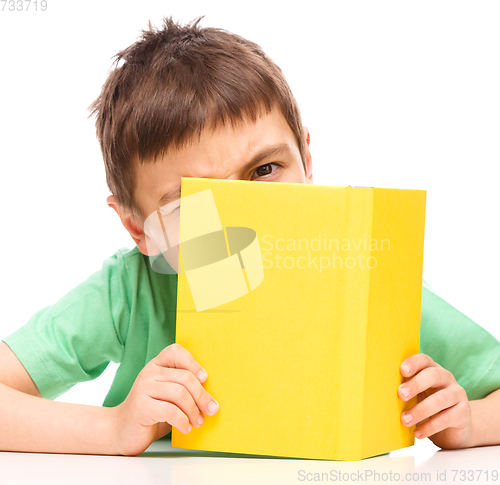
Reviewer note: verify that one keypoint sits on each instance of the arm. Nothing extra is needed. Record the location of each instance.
(165, 393)
(485, 420)
(30, 423)
(33, 424)
(458, 399)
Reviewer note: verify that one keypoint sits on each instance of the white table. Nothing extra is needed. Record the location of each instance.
(161, 464)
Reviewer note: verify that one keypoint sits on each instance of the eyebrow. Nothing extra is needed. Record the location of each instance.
(269, 151)
(266, 152)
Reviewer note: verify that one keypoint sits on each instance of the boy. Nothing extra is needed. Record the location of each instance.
(193, 102)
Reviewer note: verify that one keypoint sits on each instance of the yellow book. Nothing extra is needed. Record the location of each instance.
(301, 301)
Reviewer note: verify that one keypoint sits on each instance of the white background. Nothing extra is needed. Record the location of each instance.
(396, 94)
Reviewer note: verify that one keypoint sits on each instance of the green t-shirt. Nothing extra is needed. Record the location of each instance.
(125, 313)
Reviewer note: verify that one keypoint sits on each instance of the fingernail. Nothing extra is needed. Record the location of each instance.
(202, 375)
(405, 392)
(418, 433)
(212, 407)
(200, 420)
(189, 428)
(406, 368)
(407, 418)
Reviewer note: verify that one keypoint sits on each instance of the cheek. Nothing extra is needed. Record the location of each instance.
(294, 174)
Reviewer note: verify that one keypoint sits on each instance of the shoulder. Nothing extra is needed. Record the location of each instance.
(131, 270)
(125, 264)
(137, 277)
(125, 257)
(134, 265)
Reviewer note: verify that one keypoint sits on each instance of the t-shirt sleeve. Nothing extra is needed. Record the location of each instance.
(460, 345)
(76, 338)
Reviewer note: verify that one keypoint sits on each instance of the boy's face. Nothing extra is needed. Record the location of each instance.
(263, 151)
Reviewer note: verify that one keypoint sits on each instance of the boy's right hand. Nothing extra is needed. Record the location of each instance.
(167, 392)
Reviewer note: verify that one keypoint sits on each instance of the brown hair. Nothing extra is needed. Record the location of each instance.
(173, 83)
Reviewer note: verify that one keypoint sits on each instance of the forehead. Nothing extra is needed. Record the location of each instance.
(219, 153)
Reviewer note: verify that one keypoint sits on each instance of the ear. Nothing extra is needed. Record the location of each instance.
(309, 173)
(131, 224)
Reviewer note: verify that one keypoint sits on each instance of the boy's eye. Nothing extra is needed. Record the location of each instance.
(266, 170)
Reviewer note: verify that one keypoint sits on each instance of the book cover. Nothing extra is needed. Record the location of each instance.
(301, 301)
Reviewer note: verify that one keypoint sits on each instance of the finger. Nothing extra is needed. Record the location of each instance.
(163, 411)
(430, 377)
(178, 395)
(203, 400)
(178, 357)
(415, 363)
(432, 405)
(453, 417)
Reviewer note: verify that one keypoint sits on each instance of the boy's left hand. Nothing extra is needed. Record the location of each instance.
(443, 411)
